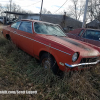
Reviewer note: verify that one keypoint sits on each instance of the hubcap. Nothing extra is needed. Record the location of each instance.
(46, 63)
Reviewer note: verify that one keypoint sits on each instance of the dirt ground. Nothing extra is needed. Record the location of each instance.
(1, 26)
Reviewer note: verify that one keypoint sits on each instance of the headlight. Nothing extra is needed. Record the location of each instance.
(75, 57)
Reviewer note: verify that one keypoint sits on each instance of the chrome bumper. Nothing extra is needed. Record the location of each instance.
(81, 64)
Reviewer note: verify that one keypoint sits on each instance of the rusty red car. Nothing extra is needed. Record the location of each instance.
(48, 43)
(88, 35)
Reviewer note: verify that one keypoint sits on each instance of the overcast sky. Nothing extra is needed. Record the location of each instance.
(35, 5)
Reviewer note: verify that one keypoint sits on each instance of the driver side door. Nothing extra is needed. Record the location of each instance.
(25, 37)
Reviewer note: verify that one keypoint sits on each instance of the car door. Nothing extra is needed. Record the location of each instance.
(25, 37)
(92, 37)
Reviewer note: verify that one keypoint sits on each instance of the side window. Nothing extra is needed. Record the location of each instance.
(15, 25)
(91, 34)
(26, 26)
(80, 33)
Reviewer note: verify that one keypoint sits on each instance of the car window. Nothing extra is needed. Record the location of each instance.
(80, 33)
(92, 34)
(26, 26)
(15, 25)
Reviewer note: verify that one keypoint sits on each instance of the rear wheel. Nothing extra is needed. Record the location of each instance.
(48, 62)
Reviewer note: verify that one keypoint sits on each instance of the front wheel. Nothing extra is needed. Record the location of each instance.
(48, 62)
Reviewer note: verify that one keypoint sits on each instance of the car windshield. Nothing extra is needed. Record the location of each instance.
(48, 29)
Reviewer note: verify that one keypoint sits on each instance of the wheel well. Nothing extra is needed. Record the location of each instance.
(42, 52)
(8, 36)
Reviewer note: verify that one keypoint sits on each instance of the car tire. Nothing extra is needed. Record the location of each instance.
(48, 61)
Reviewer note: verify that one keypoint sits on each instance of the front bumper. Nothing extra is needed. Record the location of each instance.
(81, 64)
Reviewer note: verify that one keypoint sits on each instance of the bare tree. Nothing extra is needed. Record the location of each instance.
(76, 10)
(48, 12)
(1, 9)
(94, 9)
(45, 11)
(29, 11)
(15, 8)
(7, 7)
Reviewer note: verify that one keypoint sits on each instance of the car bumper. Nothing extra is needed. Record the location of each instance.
(81, 64)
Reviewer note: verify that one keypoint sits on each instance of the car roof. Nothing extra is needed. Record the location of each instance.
(36, 21)
(88, 29)
(93, 29)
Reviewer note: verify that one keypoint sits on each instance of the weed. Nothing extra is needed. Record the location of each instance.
(20, 71)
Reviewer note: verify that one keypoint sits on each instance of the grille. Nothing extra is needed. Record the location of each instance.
(88, 60)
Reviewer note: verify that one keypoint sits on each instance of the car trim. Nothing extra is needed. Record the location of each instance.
(81, 64)
(91, 39)
(19, 24)
(40, 43)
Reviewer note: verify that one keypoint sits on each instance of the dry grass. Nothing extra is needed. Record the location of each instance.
(20, 71)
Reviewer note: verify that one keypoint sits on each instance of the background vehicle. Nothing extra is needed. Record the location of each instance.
(2, 20)
(12, 21)
(91, 36)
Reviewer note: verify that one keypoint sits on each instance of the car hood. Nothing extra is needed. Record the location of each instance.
(73, 45)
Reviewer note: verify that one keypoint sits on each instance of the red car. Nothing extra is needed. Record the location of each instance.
(48, 43)
(88, 35)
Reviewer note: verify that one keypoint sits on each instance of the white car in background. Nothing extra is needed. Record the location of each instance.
(2, 20)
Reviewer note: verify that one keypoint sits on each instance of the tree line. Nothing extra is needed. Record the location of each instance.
(75, 11)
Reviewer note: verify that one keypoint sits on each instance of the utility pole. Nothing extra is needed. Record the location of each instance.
(41, 9)
(85, 11)
(10, 7)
